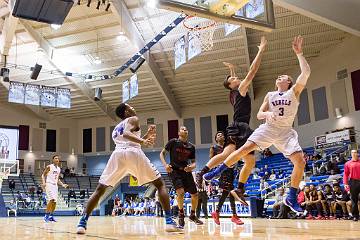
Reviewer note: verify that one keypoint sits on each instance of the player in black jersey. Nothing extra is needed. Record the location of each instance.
(182, 162)
(226, 181)
(238, 131)
(328, 201)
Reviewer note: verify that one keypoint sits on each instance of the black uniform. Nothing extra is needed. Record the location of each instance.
(180, 155)
(227, 177)
(239, 130)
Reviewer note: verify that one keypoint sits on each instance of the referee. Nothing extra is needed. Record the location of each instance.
(352, 182)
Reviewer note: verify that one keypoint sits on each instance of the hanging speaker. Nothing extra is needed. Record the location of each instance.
(135, 66)
(35, 71)
(98, 94)
(4, 72)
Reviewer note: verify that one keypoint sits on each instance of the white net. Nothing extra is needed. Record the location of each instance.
(202, 30)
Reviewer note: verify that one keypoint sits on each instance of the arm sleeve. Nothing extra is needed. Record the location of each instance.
(346, 174)
(169, 145)
(305, 70)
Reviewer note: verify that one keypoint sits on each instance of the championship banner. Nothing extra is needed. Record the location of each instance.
(133, 182)
(332, 139)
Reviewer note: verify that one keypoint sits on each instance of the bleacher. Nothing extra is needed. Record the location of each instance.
(279, 161)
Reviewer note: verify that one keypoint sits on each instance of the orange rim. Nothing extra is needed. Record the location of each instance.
(212, 23)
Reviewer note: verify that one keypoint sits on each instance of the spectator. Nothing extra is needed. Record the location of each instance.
(39, 190)
(71, 194)
(79, 210)
(334, 177)
(264, 186)
(272, 175)
(302, 196)
(352, 182)
(267, 152)
(333, 167)
(279, 202)
(67, 172)
(32, 192)
(12, 208)
(313, 202)
(72, 172)
(322, 169)
(328, 201)
(256, 176)
(203, 200)
(341, 197)
(82, 194)
(12, 185)
(281, 174)
(266, 176)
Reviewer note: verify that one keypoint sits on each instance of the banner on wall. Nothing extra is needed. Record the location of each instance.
(241, 210)
(133, 181)
(332, 139)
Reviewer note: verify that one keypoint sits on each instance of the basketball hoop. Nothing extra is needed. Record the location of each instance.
(202, 29)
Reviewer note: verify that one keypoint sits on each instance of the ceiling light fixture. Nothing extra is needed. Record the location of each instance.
(88, 4)
(79, 2)
(152, 3)
(98, 5)
(121, 37)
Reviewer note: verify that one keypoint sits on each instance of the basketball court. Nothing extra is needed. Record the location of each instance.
(67, 65)
(152, 228)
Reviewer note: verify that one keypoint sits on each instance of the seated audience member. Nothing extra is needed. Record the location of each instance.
(334, 177)
(348, 208)
(313, 202)
(67, 172)
(322, 169)
(266, 176)
(82, 194)
(267, 152)
(332, 167)
(71, 194)
(328, 201)
(264, 186)
(281, 174)
(272, 175)
(79, 210)
(39, 191)
(256, 176)
(72, 172)
(279, 201)
(341, 197)
(12, 208)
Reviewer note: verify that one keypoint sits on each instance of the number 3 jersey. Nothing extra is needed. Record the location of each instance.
(285, 106)
(118, 138)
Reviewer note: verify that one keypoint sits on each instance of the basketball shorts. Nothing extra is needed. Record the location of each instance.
(284, 139)
(51, 191)
(182, 179)
(226, 179)
(131, 161)
(237, 133)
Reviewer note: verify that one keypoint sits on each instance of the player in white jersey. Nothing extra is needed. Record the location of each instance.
(128, 158)
(50, 180)
(279, 110)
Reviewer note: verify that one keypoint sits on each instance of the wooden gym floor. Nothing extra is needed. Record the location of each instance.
(151, 228)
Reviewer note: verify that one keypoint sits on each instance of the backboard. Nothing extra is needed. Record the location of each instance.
(9, 168)
(256, 14)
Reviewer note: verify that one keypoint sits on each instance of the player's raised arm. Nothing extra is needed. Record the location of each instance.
(132, 126)
(254, 67)
(304, 66)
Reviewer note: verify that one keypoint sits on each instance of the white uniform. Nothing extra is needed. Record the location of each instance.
(279, 132)
(52, 179)
(127, 158)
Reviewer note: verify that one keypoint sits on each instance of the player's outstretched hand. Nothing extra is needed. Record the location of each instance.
(297, 44)
(152, 129)
(262, 44)
(270, 117)
(168, 168)
(229, 65)
(148, 142)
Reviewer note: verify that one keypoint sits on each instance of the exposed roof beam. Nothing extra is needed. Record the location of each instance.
(82, 85)
(129, 27)
(8, 33)
(343, 15)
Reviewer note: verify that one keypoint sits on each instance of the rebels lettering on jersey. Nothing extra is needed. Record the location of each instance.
(281, 102)
(285, 106)
(118, 138)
